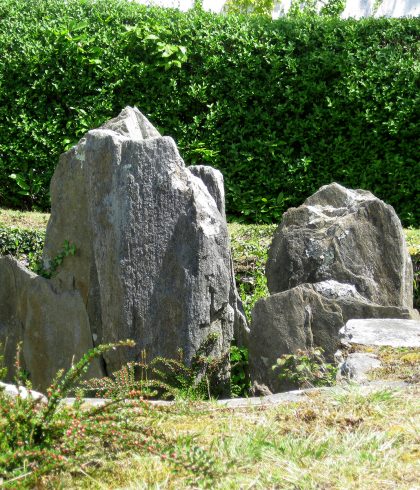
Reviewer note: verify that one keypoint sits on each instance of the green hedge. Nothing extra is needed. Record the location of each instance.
(25, 245)
(281, 107)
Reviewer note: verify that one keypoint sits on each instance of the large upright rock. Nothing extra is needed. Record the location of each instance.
(346, 235)
(153, 259)
(213, 180)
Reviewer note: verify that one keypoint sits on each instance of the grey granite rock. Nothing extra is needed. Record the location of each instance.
(52, 324)
(357, 366)
(132, 124)
(349, 236)
(153, 259)
(305, 316)
(22, 392)
(213, 180)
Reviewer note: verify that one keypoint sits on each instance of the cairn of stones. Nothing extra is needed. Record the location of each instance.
(153, 264)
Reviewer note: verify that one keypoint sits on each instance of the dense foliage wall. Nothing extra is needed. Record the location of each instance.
(281, 107)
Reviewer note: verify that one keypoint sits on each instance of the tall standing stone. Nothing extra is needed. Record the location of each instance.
(153, 257)
(213, 180)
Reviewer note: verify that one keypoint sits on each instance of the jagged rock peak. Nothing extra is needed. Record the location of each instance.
(131, 123)
(153, 260)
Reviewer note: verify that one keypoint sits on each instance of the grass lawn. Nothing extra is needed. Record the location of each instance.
(23, 219)
(341, 440)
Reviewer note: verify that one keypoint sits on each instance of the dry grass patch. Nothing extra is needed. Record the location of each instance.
(23, 219)
(398, 363)
(338, 440)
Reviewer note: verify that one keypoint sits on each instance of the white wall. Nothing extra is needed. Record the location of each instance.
(387, 8)
(354, 8)
(213, 5)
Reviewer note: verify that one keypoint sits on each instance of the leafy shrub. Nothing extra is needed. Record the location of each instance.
(239, 371)
(305, 369)
(25, 245)
(255, 7)
(281, 107)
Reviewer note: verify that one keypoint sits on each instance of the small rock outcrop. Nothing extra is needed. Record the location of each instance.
(213, 180)
(152, 259)
(304, 317)
(341, 255)
(357, 366)
(22, 392)
(51, 323)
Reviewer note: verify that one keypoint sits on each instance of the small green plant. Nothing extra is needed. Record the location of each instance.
(240, 382)
(165, 378)
(67, 250)
(305, 369)
(416, 279)
(31, 439)
(27, 247)
(30, 184)
(200, 379)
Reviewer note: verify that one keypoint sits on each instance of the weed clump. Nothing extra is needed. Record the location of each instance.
(38, 438)
(306, 369)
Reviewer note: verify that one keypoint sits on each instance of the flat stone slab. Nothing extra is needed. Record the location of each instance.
(391, 332)
(265, 401)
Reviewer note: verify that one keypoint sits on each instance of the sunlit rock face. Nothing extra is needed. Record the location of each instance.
(341, 255)
(51, 323)
(153, 260)
(346, 235)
